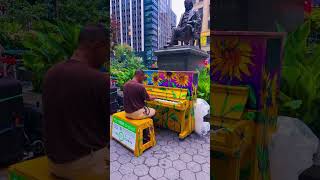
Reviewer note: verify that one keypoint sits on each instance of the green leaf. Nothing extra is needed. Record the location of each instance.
(237, 108)
(174, 117)
(295, 104)
(174, 94)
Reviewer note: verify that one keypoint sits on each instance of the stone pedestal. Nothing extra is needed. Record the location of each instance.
(180, 58)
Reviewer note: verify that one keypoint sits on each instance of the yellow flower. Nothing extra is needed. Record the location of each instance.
(231, 58)
(155, 79)
(182, 79)
(169, 75)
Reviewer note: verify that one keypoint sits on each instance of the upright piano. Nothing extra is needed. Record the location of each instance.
(175, 93)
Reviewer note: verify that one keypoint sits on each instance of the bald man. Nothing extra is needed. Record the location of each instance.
(75, 106)
(134, 97)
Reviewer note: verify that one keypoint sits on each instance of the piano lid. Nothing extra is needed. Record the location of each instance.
(176, 79)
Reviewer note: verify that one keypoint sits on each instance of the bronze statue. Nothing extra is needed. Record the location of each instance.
(189, 27)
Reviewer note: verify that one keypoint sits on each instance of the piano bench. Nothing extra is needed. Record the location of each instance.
(37, 169)
(136, 135)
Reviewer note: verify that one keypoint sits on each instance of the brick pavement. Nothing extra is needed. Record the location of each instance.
(171, 158)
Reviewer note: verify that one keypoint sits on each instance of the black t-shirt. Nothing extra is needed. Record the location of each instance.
(76, 111)
(134, 96)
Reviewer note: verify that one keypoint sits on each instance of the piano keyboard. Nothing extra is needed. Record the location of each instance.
(166, 101)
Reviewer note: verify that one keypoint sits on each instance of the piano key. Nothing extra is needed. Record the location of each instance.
(166, 101)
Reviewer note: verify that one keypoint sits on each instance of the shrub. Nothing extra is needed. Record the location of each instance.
(124, 64)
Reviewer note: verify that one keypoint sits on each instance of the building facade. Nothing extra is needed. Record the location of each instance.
(129, 14)
(203, 7)
(166, 22)
(145, 25)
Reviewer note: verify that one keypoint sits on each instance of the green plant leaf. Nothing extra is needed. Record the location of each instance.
(296, 104)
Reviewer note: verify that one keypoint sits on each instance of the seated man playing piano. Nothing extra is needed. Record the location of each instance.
(134, 97)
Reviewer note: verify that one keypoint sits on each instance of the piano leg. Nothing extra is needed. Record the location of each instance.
(184, 126)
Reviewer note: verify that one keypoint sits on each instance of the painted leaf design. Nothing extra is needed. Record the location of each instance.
(174, 117)
(237, 108)
(174, 94)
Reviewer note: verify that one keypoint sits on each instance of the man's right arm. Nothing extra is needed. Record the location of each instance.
(147, 96)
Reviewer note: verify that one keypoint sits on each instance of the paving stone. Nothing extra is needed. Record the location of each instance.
(167, 148)
(200, 159)
(123, 159)
(159, 154)
(186, 158)
(156, 172)
(188, 175)
(206, 146)
(112, 142)
(191, 151)
(206, 168)
(151, 161)
(200, 141)
(179, 165)
(165, 163)
(147, 177)
(113, 156)
(126, 168)
(162, 178)
(173, 143)
(196, 145)
(129, 177)
(113, 149)
(179, 150)
(141, 170)
(172, 156)
(122, 151)
(162, 142)
(155, 148)
(116, 175)
(203, 176)
(184, 144)
(147, 153)
(114, 166)
(193, 166)
(203, 152)
(171, 174)
(137, 160)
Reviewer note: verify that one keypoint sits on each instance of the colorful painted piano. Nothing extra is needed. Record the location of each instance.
(246, 66)
(175, 93)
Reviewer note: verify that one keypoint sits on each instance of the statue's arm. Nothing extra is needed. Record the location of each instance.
(197, 18)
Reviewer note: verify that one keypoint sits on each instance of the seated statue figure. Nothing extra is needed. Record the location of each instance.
(189, 27)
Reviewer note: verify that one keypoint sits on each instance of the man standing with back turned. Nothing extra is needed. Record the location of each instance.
(76, 111)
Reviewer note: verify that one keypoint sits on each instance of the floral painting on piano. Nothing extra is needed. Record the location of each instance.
(176, 79)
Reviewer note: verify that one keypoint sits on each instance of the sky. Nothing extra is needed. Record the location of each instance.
(178, 8)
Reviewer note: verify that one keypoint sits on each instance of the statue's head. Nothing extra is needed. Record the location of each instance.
(188, 4)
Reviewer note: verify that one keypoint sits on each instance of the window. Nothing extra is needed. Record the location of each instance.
(201, 12)
(209, 24)
(208, 40)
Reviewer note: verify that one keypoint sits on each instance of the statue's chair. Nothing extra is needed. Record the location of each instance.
(193, 37)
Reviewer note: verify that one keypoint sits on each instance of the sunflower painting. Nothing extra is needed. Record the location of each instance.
(169, 75)
(182, 79)
(232, 58)
(155, 79)
(176, 79)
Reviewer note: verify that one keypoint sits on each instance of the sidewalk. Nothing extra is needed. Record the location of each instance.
(171, 158)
